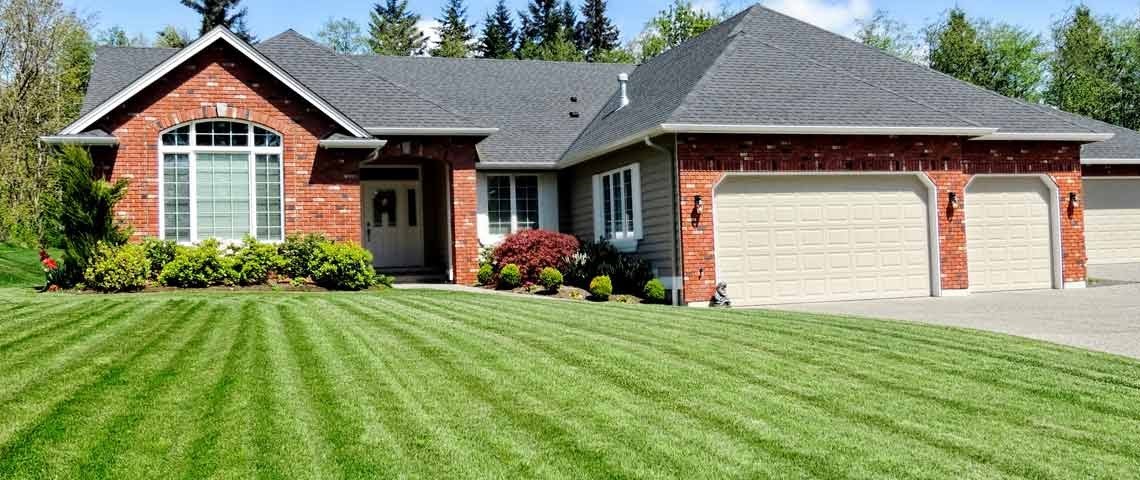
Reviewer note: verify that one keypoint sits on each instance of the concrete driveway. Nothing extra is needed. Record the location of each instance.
(1118, 273)
(1103, 318)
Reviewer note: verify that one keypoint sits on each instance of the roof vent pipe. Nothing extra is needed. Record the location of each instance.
(623, 80)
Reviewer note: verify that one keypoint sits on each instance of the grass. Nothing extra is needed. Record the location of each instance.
(19, 267)
(437, 385)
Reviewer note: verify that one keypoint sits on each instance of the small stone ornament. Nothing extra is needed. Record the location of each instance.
(720, 298)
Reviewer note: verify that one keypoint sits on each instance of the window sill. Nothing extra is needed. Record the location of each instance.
(624, 245)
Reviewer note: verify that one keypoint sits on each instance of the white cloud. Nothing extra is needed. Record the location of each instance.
(837, 16)
(430, 28)
(711, 7)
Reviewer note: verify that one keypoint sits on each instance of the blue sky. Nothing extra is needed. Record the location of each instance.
(269, 17)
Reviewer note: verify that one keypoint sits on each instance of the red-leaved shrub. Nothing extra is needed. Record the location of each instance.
(533, 250)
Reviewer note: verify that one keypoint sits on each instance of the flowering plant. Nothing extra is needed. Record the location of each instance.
(51, 270)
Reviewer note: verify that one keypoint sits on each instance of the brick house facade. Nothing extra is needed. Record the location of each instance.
(947, 161)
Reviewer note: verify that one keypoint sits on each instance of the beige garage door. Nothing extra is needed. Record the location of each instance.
(1008, 238)
(1112, 220)
(784, 239)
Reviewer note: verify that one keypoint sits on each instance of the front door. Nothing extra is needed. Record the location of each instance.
(393, 224)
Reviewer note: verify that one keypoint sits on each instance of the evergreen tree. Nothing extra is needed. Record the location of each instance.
(595, 34)
(171, 37)
(1126, 48)
(393, 30)
(499, 35)
(956, 48)
(542, 22)
(224, 13)
(342, 36)
(455, 34)
(1082, 80)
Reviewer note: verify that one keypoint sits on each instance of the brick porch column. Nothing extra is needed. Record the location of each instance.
(952, 228)
(464, 230)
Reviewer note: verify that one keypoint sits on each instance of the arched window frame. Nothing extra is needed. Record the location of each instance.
(192, 150)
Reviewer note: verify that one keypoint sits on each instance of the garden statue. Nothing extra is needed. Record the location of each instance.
(720, 298)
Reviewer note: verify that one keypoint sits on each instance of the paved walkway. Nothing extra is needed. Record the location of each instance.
(1124, 272)
(1104, 318)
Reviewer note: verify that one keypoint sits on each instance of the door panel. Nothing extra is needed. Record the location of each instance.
(393, 224)
(1008, 234)
(1112, 220)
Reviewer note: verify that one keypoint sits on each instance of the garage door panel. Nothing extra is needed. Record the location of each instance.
(829, 238)
(1112, 220)
(1008, 234)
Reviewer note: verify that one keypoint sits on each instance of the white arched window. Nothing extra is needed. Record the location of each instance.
(220, 179)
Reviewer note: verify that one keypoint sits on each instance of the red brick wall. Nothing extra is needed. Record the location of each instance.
(948, 162)
(322, 187)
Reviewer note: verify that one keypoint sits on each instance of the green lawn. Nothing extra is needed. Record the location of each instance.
(19, 267)
(431, 385)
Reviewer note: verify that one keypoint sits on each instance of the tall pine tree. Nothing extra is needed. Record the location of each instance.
(393, 30)
(595, 33)
(454, 32)
(1082, 77)
(542, 22)
(221, 13)
(499, 35)
(956, 49)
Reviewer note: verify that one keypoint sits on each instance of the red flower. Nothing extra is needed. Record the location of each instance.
(48, 263)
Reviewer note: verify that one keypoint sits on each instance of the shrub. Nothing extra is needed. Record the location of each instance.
(385, 280)
(629, 273)
(510, 276)
(655, 291)
(486, 274)
(601, 288)
(550, 279)
(298, 253)
(253, 262)
(117, 268)
(198, 267)
(158, 254)
(533, 250)
(343, 266)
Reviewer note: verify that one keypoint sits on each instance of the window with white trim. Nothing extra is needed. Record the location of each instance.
(617, 206)
(221, 179)
(512, 203)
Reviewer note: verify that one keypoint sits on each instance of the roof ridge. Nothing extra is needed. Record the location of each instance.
(488, 60)
(909, 63)
(408, 90)
(733, 35)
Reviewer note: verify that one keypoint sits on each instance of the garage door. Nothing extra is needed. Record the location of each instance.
(1008, 238)
(1112, 220)
(785, 239)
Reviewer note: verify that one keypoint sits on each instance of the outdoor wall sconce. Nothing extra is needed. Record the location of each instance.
(953, 197)
(1074, 202)
(700, 203)
(698, 209)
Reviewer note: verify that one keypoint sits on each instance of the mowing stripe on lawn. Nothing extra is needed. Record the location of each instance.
(43, 345)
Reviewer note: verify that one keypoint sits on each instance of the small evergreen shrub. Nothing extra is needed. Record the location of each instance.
(117, 269)
(655, 291)
(385, 280)
(159, 253)
(550, 279)
(486, 274)
(253, 262)
(343, 266)
(298, 253)
(601, 288)
(533, 250)
(198, 267)
(510, 276)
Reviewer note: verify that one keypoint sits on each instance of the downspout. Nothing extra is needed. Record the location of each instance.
(675, 268)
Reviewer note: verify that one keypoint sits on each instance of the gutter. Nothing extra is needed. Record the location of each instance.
(361, 143)
(413, 132)
(1110, 161)
(79, 140)
(1056, 137)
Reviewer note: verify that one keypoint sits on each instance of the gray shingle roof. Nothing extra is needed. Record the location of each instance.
(1125, 145)
(115, 68)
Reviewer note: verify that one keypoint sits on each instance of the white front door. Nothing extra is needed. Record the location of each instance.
(393, 223)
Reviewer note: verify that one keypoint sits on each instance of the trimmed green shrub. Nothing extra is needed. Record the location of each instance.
(117, 269)
(510, 276)
(629, 273)
(385, 280)
(655, 291)
(601, 288)
(198, 267)
(343, 266)
(550, 279)
(159, 253)
(299, 252)
(486, 274)
(253, 262)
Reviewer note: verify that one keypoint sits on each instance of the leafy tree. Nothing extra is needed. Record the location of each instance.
(956, 48)
(596, 34)
(617, 55)
(671, 27)
(342, 36)
(1125, 39)
(559, 49)
(499, 35)
(117, 37)
(393, 30)
(455, 34)
(171, 37)
(882, 31)
(221, 13)
(1014, 61)
(1082, 77)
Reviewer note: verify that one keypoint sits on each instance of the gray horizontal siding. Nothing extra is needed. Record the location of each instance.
(577, 192)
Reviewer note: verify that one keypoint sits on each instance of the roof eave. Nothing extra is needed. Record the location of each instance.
(1056, 137)
(79, 140)
(1110, 161)
(351, 144)
(432, 131)
(517, 166)
(168, 65)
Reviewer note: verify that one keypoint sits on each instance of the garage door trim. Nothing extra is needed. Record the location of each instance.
(932, 216)
(1056, 253)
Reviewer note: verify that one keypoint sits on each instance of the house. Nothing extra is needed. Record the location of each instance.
(790, 163)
